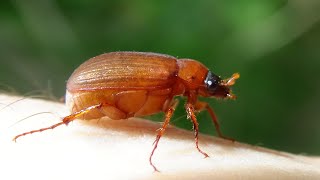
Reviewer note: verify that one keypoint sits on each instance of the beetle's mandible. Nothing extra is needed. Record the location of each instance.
(121, 85)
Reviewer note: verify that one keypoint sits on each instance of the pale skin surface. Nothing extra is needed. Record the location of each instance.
(109, 149)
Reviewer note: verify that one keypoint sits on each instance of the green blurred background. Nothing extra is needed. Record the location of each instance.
(273, 44)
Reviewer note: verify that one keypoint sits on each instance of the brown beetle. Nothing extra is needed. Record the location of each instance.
(121, 85)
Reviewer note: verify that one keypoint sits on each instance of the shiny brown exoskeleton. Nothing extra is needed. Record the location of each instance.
(121, 85)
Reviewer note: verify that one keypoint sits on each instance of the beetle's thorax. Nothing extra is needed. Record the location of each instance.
(191, 73)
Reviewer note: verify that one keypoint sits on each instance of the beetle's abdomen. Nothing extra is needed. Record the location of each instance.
(119, 104)
(124, 70)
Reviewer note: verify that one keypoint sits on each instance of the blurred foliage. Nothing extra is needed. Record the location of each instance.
(274, 44)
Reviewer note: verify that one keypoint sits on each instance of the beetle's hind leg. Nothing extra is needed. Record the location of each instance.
(66, 120)
(168, 116)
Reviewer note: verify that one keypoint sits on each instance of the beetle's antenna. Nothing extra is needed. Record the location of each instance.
(231, 81)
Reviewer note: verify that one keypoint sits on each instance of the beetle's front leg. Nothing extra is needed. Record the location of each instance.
(190, 112)
(200, 106)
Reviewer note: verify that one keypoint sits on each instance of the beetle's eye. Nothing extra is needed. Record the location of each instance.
(212, 81)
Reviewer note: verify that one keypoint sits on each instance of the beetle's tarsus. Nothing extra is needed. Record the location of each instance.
(66, 120)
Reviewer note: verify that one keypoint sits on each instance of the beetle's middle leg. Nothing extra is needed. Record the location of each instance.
(168, 116)
(66, 120)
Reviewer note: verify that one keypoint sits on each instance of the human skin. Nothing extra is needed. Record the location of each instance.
(119, 149)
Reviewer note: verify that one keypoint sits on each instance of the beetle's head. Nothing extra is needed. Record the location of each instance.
(219, 88)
